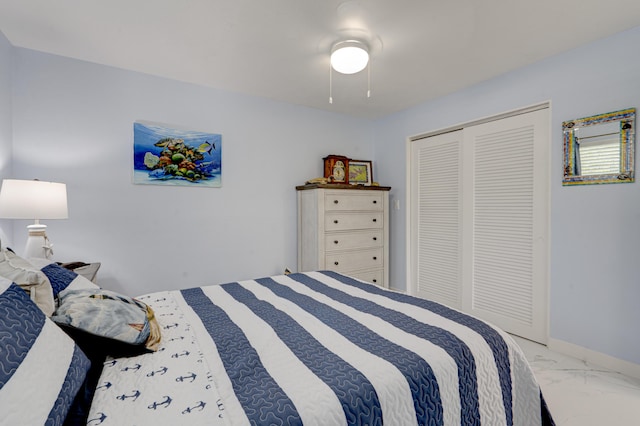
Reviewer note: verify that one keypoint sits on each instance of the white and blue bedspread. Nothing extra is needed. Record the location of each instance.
(318, 349)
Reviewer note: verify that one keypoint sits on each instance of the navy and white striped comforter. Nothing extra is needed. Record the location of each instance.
(323, 349)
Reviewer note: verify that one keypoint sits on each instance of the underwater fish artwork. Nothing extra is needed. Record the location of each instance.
(206, 147)
(163, 142)
(164, 156)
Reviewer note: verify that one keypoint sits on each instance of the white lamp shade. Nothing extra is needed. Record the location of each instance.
(349, 57)
(33, 199)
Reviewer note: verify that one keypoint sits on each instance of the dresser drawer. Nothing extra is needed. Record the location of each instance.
(374, 276)
(354, 260)
(348, 221)
(349, 200)
(353, 240)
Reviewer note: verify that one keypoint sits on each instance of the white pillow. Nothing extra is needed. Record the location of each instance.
(30, 278)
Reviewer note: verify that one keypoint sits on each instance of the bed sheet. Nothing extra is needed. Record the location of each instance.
(172, 386)
(318, 348)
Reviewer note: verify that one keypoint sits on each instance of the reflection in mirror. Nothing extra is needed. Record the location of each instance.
(600, 148)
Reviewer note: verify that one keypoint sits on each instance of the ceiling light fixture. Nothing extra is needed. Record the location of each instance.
(349, 57)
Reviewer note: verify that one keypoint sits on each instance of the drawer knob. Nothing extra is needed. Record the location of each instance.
(335, 263)
(375, 201)
(375, 238)
(375, 258)
(335, 201)
(335, 221)
(335, 242)
(375, 281)
(375, 220)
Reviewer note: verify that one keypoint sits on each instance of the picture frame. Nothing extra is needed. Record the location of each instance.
(360, 172)
(600, 149)
(176, 157)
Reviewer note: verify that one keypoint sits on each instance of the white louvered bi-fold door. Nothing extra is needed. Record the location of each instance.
(502, 197)
(436, 226)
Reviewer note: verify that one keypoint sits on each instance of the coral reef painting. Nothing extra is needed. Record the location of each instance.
(163, 156)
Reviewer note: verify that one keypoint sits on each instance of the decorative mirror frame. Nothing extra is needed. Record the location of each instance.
(627, 118)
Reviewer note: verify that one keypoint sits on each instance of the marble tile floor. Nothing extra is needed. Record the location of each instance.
(581, 394)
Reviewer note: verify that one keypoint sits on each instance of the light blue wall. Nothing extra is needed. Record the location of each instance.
(595, 272)
(73, 123)
(6, 231)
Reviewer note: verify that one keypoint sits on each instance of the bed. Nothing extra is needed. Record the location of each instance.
(316, 348)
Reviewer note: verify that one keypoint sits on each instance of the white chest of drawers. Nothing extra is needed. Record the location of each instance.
(345, 229)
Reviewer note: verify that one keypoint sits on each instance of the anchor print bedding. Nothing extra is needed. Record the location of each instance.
(317, 348)
(170, 386)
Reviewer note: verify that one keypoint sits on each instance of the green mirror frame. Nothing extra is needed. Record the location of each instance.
(623, 123)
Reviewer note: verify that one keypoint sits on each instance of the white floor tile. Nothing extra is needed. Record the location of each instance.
(580, 394)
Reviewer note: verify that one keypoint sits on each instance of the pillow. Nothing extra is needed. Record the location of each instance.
(33, 281)
(109, 315)
(97, 348)
(41, 368)
(61, 278)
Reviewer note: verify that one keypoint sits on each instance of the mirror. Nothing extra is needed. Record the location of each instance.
(600, 148)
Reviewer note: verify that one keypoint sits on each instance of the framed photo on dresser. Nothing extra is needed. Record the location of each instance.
(360, 172)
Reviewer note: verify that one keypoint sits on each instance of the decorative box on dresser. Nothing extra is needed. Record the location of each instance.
(344, 228)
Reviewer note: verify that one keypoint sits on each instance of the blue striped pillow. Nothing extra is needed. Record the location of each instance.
(41, 368)
(59, 277)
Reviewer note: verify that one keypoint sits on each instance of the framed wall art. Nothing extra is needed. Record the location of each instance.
(360, 172)
(165, 156)
(600, 149)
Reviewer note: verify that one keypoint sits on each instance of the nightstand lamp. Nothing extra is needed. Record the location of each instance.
(34, 199)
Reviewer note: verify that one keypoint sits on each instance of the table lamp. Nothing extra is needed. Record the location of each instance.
(34, 199)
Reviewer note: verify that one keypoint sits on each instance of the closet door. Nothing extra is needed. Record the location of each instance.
(436, 218)
(505, 255)
(479, 221)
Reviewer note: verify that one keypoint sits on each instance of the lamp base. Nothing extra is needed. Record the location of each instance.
(38, 245)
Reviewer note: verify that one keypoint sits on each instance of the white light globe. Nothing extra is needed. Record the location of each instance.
(349, 57)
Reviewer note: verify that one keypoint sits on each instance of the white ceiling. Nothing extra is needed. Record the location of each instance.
(279, 49)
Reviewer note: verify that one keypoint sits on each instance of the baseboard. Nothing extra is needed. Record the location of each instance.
(616, 364)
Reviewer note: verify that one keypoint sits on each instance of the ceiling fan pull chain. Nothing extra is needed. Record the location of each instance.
(330, 84)
(369, 79)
